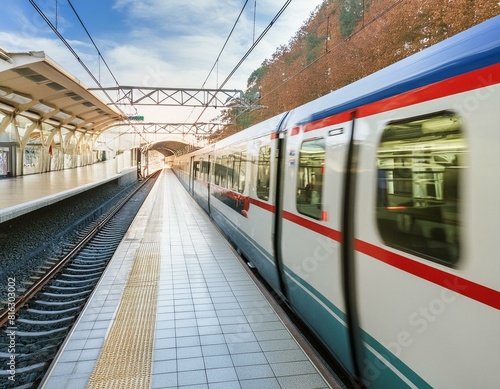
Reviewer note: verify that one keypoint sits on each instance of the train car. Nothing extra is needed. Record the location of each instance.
(372, 212)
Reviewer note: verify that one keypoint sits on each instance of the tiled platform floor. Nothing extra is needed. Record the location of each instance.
(214, 328)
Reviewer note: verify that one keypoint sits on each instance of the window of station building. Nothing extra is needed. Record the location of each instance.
(310, 178)
(263, 172)
(420, 166)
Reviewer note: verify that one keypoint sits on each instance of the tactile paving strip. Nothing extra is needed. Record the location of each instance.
(125, 360)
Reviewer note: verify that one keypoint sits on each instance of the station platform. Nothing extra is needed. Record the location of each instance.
(176, 308)
(24, 194)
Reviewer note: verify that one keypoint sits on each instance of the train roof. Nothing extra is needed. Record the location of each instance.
(263, 128)
(469, 50)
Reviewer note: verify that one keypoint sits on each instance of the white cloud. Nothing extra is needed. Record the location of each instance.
(170, 43)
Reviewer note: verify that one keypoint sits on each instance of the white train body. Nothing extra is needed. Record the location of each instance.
(373, 212)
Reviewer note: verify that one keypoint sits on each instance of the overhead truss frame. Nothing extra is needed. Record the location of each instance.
(174, 97)
(197, 129)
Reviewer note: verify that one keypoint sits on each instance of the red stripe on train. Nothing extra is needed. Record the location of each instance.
(329, 121)
(310, 225)
(475, 291)
(452, 282)
(463, 83)
(268, 207)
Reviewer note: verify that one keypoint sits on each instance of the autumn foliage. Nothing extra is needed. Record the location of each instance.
(345, 40)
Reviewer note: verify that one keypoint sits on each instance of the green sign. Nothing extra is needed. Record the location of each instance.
(136, 117)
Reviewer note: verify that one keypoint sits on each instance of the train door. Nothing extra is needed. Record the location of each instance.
(310, 214)
(423, 221)
(209, 179)
(191, 175)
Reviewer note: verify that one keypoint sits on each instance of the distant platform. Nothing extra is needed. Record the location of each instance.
(24, 194)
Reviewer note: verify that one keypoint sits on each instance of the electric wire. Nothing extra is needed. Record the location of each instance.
(225, 43)
(95, 46)
(327, 52)
(44, 17)
(257, 41)
(216, 63)
(75, 54)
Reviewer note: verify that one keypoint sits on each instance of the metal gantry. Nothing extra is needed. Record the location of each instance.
(174, 97)
(197, 129)
(178, 97)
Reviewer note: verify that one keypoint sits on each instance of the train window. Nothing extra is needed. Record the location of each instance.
(310, 178)
(223, 172)
(233, 161)
(263, 172)
(196, 169)
(217, 170)
(420, 163)
(241, 176)
(199, 172)
(205, 170)
(211, 166)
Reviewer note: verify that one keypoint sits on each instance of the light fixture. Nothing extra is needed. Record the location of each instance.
(62, 115)
(8, 94)
(44, 108)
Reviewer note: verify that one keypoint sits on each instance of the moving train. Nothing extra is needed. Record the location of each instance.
(374, 212)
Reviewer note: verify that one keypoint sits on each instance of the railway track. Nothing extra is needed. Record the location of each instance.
(37, 321)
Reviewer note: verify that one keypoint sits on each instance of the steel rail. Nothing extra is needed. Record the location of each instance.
(24, 298)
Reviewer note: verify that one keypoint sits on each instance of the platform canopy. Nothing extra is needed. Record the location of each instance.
(171, 147)
(33, 86)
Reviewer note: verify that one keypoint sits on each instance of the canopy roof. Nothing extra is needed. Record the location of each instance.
(33, 86)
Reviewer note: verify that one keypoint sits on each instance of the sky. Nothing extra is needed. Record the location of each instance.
(164, 43)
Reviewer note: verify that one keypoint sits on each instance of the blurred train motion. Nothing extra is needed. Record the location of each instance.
(373, 211)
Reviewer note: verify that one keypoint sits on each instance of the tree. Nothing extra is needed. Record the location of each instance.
(391, 30)
(351, 12)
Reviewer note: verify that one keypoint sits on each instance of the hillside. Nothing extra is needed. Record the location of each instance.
(345, 40)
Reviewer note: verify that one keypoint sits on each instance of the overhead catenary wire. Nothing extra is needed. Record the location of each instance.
(85, 67)
(216, 63)
(95, 46)
(225, 43)
(328, 51)
(249, 51)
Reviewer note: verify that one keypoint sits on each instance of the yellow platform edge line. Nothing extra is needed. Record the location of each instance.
(126, 358)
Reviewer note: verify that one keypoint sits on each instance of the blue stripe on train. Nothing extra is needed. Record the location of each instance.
(328, 321)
